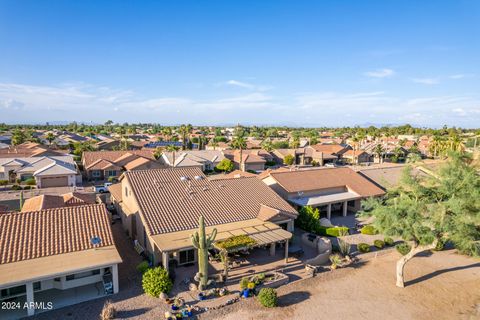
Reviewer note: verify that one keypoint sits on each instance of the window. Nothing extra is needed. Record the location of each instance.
(351, 203)
(186, 256)
(126, 192)
(13, 291)
(111, 173)
(96, 173)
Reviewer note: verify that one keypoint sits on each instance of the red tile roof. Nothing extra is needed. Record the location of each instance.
(325, 178)
(169, 204)
(35, 234)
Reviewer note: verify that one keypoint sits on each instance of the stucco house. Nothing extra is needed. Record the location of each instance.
(332, 190)
(53, 171)
(206, 160)
(160, 210)
(101, 165)
(355, 157)
(56, 257)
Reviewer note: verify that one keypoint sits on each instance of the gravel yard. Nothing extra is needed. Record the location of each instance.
(444, 285)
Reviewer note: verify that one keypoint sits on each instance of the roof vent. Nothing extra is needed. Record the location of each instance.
(198, 178)
(183, 178)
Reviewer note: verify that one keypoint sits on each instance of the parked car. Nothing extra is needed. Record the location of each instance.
(102, 188)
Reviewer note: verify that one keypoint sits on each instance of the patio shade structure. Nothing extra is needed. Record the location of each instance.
(264, 233)
(325, 199)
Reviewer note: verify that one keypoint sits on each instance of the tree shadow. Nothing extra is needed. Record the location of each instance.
(292, 298)
(125, 314)
(439, 272)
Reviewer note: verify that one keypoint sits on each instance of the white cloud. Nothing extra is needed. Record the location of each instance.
(240, 84)
(427, 81)
(87, 103)
(247, 85)
(380, 73)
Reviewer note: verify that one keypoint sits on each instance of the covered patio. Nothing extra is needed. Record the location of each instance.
(344, 200)
(264, 233)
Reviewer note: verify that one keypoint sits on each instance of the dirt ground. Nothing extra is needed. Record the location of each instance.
(443, 285)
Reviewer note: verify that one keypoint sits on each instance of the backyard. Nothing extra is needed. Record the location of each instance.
(443, 286)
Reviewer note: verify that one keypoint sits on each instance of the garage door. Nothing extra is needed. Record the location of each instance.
(54, 182)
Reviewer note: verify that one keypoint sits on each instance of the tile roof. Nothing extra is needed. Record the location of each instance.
(90, 157)
(35, 234)
(325, 178)
(233, 174)
(169, 204)
(139, 161)
(328, 148)
(45, 201)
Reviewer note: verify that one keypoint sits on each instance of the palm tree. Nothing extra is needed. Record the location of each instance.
(50, 137)
(173, 149)
(167, 132)
(239, 142)
(355, 140)
(267, 145)
(214, 143)
(378, 150)
(185, 130)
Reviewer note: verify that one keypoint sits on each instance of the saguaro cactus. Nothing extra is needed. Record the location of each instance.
(202, 243)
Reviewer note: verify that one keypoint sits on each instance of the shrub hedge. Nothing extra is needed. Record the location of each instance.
(156, 281)
(268, 297)
(379, 244)
(330, 231)
(388, 241)
(363, 247)
(403, 248)
(368, 230)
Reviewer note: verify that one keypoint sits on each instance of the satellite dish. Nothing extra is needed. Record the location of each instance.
(95, 241)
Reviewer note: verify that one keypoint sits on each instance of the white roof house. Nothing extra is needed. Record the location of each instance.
(58, 171)
(204, 159)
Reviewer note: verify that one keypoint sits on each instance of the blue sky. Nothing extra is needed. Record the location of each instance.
(303, 63)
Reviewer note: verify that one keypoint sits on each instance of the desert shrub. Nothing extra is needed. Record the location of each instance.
(244, 283)
(268, 297)
(143, 266)
(331, 231)
(108, 311)
(156, 281)
(30, 182)
(379, 244)
(343, 246)
(440, 245)
(16, 187)
(363, 247)
(27, 187)
(336, 260)
(403, 248)
(388, 241)
(3, 182)
(368, 230)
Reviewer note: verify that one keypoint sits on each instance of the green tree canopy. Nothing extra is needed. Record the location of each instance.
(427, 211)
(289, 160)
(225, 165)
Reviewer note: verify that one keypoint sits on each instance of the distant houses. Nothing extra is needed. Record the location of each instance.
(48, 171)
(102, 165)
